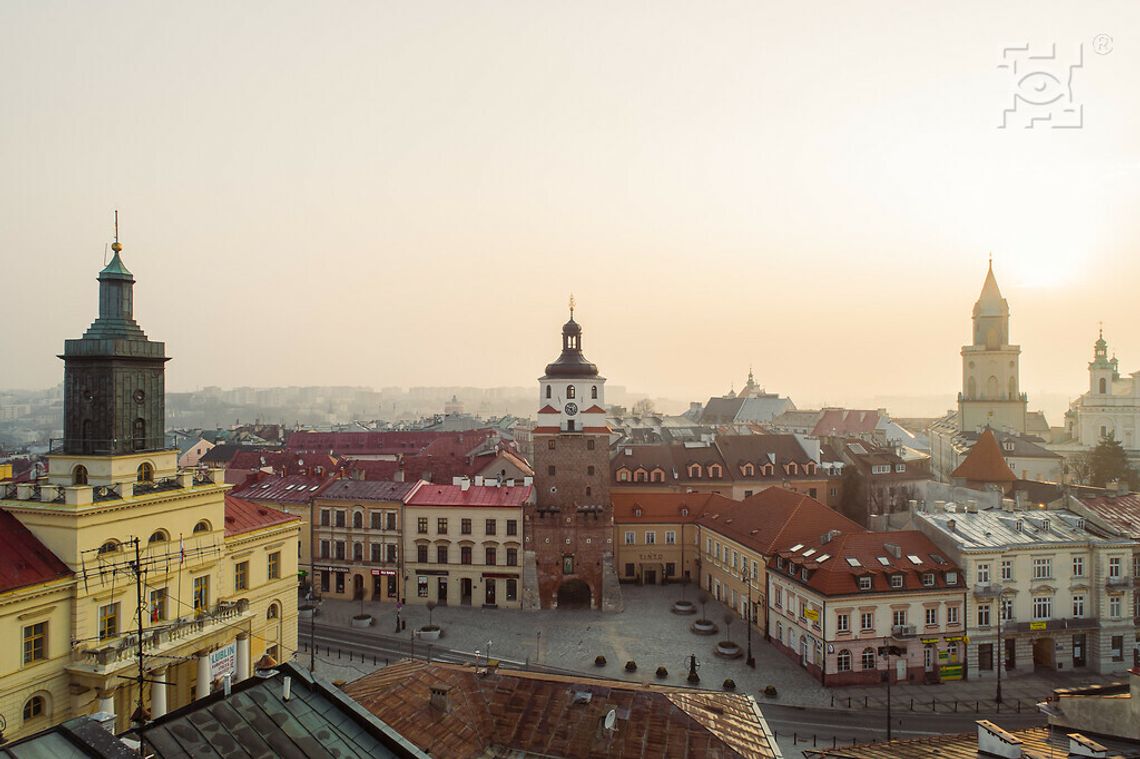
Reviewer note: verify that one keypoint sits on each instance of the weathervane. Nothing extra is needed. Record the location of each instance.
(115, 246)
(571, 305)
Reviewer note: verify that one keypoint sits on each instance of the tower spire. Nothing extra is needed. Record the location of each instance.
(571, 305)
(115, 246)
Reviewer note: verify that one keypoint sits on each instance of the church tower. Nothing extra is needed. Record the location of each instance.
(569, 530)
(991, 394)
(1102, 370)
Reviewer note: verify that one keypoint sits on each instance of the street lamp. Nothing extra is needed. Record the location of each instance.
(887, 652)
(748, 617)
(1000, 646)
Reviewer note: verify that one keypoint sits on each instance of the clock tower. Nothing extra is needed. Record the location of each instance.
(569, 529)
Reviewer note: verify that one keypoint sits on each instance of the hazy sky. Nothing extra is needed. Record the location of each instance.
(405, 193)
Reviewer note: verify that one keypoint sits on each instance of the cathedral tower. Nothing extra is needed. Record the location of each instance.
(991, 395)
(569, 530)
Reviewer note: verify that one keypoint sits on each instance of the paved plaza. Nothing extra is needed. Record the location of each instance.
(648, 633)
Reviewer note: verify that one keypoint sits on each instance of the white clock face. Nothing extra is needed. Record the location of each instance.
(571, 409)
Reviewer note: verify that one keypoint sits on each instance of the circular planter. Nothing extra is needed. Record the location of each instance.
(362, 620)
(429, 632)
(599, 661)
(662, 673)
(729, 684)
(726, 649)
(684, 607)
(770, 691)
(631, 666)
(306, 612)
(704, 627)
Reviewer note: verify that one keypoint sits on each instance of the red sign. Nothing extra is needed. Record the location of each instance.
(378, 572)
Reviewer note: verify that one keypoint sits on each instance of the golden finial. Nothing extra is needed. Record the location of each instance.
(115, 246)
(571, 305)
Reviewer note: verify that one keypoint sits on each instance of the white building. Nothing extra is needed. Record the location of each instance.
(1046, 592)
(1110, 406)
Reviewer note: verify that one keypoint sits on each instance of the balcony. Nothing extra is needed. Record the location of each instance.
(159, 638)
(987, 589)
(1117, 582)
(903, 632)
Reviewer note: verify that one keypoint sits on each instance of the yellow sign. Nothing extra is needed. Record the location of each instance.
(1037, 625)
(812, 614)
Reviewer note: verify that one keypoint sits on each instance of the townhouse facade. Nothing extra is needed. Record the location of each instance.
(656, 537)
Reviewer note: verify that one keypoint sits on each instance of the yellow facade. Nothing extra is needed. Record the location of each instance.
(732, 572)
(356, 548)
(655, 553)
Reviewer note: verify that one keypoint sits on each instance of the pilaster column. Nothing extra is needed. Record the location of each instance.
(242, 657)
(202, 689)
(158, 694)
(107, 701)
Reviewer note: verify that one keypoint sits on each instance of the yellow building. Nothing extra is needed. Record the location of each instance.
(142, 545)
(656, 538)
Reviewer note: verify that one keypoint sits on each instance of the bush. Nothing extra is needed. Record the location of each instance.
(599, 661)
(429, 628)
(662, 672)
(770, 691)
(729, 684)
(631, 666)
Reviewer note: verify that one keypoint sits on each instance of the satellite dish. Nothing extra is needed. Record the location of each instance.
(611, 719)
(553, 488)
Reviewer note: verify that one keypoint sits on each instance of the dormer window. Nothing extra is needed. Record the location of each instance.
(1008, 445)
(640, 475)
(715, 471)
(657, 475)
(809, 468)
(896, 581)
(695, 471)
(804, 574)
(928, 580)
(780, 562)
(637, 511)
(748, 470)
(623, 475)
(951, 578)
(768, 470)
(865, 582)
(793, 468)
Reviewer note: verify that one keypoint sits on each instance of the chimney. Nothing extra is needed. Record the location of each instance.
(478, 480)
(398, 475)
(951, 525)
(994, 741)
(939, 507)
(894, 549)
(465, 484)
(440, 698)
(286, 688)
(971, 507)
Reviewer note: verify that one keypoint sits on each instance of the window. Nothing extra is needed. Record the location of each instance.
(844, 660)
(464, 527)
(1078, 566)
(391, 520)
(34, 707)
(593, 392)
(550, 444)
(590, 470)
(1042, 607)
(951, 615)
(1042, 569)
(492, 556)
(357, 520)
(340, 518)
(1114, 566)
(338, 549)
(465, 554)
(325, 518)
(550, 470)
(202, 526)
(1006, 570)
(202, 593)
(842, 623)
(571, 392)
(931, 617)
(778, 599)
(158, 605)
(1118, 648)
(441, 554)
(898, 617)
(35, 642)
(241, 575)
(629, 571)
(491, 526)
(629, 537)
(865, 582)
(951, 578)
(928, 580)
(274, 611)
(512, 590)
(567, 565)
(324, 581)
(867, 620)
(896, 581)
(1078, 606)
(441, 526)
(108, 621)
(109, 547)
(670, 537)
(650, 538)
(984, 574)
(274, 565)
(512, 527)
(868, 658)
(325, 548)
(422, 586)
(548, 391)
(1114, 606)
(421, 554)
(358, 552)
(376, 520)
(512, 557)
(79, 475)
(391, 552)
(986, 656)
(375, 552)
(590, 444)
(145, 472)
(421, 525)
(983, 615)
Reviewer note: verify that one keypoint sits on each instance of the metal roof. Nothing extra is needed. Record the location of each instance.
(992, 528)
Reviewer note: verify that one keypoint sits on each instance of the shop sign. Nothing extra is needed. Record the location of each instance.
(1038, 625)
(223, 661)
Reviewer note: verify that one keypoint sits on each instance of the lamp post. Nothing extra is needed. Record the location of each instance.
(886, 652)
(748, 617)
(1000, 647)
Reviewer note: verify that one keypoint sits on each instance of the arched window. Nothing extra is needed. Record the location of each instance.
(158, 536)
(972, 388)
(657, 475)
(623, 475)
(868, 658)
(768, 470)
(35, 707)
(793, 468)
(571, 392)
(992, 388)
(695, 471)
(357, 520)
(274, 611)
(358, 552)
(138, 432)
(1103, 386)
(715, 471)
(594, 392)
(145, 472)
(109, 546)
(843, 661)
(79, 475)
(748, 470)
(640, 475)
(202, 526)
(1012, 388)
(548, 391)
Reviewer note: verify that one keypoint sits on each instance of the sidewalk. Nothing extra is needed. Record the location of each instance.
(648, 633)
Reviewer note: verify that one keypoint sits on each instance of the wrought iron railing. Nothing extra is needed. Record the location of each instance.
(107, 446)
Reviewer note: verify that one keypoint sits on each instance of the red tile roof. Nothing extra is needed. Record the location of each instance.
(386, 443)
(246, 516)
(548, 409)
(292, 489)
(595, 409)
(429, 494)
(1121, 512)
(985, 462)
(774, 519)
(26, 561)
(838, 422)
(662, 507)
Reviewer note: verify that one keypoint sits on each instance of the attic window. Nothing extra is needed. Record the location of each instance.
(853, 562)
(804, 574)
(796, 547)
(896, 581)
(823, 558)
(809, 552)
(914, 559)
(928, 580)
(884, 561)
(864, 582)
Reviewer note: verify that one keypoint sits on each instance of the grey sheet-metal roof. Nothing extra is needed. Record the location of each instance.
(992, 528)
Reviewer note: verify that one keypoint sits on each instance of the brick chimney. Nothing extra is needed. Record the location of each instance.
(441, 698)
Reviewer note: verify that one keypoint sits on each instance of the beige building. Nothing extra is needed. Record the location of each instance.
(656, 538)
(357, 538)
(127, 541)
(463, 544)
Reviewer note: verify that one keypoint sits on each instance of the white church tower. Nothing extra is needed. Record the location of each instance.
(991, 394)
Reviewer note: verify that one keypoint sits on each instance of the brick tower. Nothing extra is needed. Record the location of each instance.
(569, 530)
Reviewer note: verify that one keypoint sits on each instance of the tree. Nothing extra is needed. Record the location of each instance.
(853, 502)
(1079, 468)
(644, 407)
(1109, 463)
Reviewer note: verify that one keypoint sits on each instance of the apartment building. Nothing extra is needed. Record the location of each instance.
(656, 537)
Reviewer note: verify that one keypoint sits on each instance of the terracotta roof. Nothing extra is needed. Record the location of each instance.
(775, 519)
(758, 450)
(247, 516)
(548, 409)
(985, 462)
(292, 489)
(873, 554)
(660, 507)
(503, 712)
(366, 490)
(1121, 512)
(595, 409)
(674, 460)
(26, 561)
(1036, 743)
(840, 422)
(388, 443)
(429, 494)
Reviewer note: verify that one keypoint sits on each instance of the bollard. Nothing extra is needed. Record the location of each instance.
(373, 660)
(975, 707)
(338, 653)
(832, 700)
(912, 704)
(795, 738)
(1019, 706)
(932, 704)
(813, 740)
(955, 706)
(833, 742)
(865, 702)
(848, 702)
